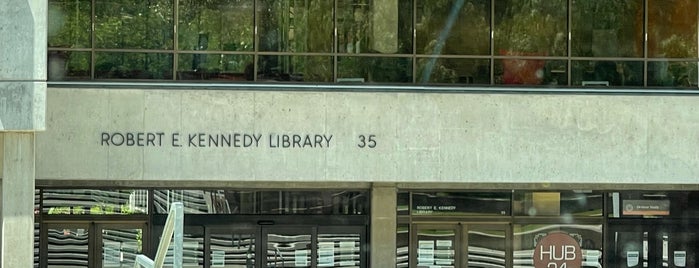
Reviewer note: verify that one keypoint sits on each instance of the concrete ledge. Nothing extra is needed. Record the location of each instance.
(22, 106)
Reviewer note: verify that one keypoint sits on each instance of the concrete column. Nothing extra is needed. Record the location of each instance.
(18, 200)
(22, 113)
(383, 226)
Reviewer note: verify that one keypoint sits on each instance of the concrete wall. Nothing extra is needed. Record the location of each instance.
(437, 138)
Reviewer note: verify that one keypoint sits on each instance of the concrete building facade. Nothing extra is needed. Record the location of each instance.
(325, 173)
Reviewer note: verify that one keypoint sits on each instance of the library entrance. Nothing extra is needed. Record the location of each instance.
(460, 244)
(284, 246)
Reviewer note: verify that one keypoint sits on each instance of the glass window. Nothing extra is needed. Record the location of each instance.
(452, 71)
(262, 202)
(134, 24)
(402, 245)
(461, 203)
(453, 27)
(672, 73)
(566, 203)
(296, 26)
(374, 69)
(224, 67)
(403, 203)
(69, 65)
(69, 23)
(374, 26)
(672, 28)
(530, 71)
(607, 73)
(602, 28)
(531, 27)
(95, 201)
(125, 65)
(215, 25)
(295, 68)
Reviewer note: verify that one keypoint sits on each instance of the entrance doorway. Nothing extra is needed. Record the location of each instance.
(285, 246)
(652, 244)
(89, 244)
(460, 245)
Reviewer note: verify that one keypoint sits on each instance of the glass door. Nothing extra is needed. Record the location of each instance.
(232, 247)
(661, 245)
(289, 246)
(91, 245)
(460, 245)
(66, 245)
(436, 246)
(119, 244)
(340, 246)
(262, 246)
(486, 245)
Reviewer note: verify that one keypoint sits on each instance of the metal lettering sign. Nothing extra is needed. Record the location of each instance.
(557, 250)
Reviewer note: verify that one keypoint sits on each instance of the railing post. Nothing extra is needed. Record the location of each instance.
(177, 259)
(174, 226)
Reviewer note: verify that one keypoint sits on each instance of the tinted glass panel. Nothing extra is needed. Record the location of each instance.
(374, 69)
(403, 203)
(531, 72)
(339, 250)
(534, 27)
(374, 26)
(602, 28)
(672, 28)
(289, 250)
(296, 26)
(95, 202)
(459, 203)
(69, 23)
(67, 247)
(216, 25)
(607, 73)
(453, 27)
(295, 68)
(486, 247)
(672, 73)
(453, 71)
(232, 250)
(558, 203)
(69, 65)
(134, 24)
(133, 65)
(221, 67)
(402, 245)
(436, 247)
(192, 248)
(120, 247)
(262, 202)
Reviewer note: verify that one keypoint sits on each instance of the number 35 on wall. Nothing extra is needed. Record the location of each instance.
(366, 141)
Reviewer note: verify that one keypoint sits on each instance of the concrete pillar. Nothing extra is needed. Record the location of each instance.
(383, 226)
(22, 113)
(18, 200)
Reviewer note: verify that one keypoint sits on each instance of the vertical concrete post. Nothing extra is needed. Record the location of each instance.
(383, 226)
(22, 113)
(18, 200)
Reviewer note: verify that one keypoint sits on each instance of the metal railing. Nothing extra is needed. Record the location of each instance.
(173, 231)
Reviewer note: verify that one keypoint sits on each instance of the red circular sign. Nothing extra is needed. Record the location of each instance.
(557, 250)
